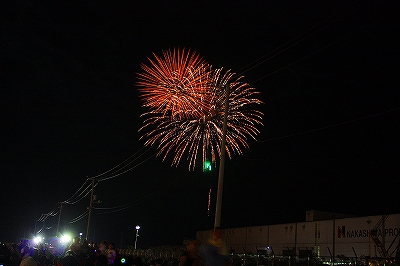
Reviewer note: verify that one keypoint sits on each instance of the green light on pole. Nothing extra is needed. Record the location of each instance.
(207, 166)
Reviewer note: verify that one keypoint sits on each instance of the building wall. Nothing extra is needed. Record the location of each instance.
(257, 238)
(345, 237)
(309, 236)
(236, 239)
(282, 238)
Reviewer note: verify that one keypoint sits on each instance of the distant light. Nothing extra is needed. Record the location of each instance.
(37, 240)
(207, 166)
(65, 239)
(137, 227)
(123, 261)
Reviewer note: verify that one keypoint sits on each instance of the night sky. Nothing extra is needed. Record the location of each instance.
(327, 71)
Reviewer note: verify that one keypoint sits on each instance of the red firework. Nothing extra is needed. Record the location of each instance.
(175, 84)
(200, 130)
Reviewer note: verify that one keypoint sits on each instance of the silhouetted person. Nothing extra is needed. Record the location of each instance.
(215, 252)
(27, 257)
(101, 259)
(103, 246)
(111, 254)
(190, 257)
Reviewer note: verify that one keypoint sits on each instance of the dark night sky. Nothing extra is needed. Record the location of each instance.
(327, 71)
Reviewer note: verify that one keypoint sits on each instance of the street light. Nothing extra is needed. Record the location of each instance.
(137, 234)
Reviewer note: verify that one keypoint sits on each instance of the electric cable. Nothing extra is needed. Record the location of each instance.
(128, 205)
(72, 198)
(322, 48)
(278, 50)
(102, 174)
(88, 190)
(44, 216)
(118, 174)
(78, 218)
(326, 127)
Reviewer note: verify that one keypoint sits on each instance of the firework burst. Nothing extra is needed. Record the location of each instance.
(198, 132)
(175, 84)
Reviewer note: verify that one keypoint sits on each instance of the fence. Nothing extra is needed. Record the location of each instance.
(271, 260)
(169, 256)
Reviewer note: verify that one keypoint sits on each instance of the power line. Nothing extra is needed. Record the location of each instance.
(82, 195)
(320, 49)
(80, 217)
(326, 127)
(293, 41)
(120, 173)
(128, 205)
(125, 161)
(85, 188)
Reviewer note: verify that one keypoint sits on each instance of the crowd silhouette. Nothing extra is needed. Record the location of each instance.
(80, 253)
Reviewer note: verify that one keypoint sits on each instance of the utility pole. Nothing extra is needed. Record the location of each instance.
(59, 218)
(93, 199)
(217, 222)
(90, 210)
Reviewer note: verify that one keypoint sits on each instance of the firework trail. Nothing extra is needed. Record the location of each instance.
(185, 121)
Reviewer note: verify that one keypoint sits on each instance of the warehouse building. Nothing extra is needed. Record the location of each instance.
(324, 235)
